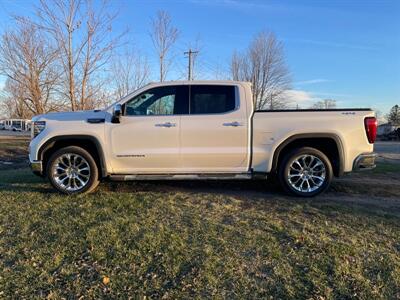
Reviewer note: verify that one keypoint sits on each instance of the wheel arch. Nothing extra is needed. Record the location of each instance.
(315, 140)
(87, 142)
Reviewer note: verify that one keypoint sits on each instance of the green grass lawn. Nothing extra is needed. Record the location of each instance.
(161, 240)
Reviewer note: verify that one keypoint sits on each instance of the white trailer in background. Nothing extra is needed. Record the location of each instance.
(16, 124)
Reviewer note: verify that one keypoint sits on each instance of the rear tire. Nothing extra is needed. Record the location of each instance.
(305, 172)
(72, 170)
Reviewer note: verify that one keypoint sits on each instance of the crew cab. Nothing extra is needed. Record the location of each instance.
(200, 130)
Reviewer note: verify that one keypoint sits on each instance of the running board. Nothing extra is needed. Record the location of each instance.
(241, 176)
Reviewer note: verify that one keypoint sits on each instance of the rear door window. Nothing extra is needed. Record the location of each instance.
(211, 99)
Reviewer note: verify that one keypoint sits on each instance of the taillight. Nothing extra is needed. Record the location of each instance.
(371, 125)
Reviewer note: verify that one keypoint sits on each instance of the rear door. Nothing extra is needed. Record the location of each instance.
(214, 136)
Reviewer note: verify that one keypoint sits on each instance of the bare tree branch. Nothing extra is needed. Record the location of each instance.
(164, 36)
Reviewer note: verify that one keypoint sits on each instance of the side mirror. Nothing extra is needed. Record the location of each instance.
(117, 112)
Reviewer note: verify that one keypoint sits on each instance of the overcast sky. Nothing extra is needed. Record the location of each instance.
(347, 50)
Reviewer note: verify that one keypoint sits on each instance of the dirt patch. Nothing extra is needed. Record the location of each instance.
(13, 152)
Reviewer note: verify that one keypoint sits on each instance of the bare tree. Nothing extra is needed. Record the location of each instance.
(325, 104)
(263, 64)
(130, 71)
(164, 35)
(28, 61)
(239, 67)
(85, 38)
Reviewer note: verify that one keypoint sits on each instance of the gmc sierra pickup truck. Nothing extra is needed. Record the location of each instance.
(200, 130)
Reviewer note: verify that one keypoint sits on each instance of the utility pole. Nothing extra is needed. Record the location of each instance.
(190, 55)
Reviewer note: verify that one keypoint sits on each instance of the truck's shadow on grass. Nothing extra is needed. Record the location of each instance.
(207, 186)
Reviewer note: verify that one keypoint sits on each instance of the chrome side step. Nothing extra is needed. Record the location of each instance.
(241, 176)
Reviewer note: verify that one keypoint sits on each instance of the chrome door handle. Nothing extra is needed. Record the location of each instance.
(168, 125)
(233, 124)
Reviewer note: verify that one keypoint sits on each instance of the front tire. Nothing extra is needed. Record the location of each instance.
(72, 170)
(305, 172)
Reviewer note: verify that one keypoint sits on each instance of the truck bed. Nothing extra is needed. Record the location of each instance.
(271, 128)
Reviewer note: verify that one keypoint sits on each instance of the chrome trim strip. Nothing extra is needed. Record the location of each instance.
(223, 176)
(236, 108)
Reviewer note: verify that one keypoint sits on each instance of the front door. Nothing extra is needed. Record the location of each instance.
(147, 138)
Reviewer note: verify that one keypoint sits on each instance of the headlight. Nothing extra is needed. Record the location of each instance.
(37, 127)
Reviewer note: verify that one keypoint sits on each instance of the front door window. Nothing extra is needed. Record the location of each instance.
(161, 101)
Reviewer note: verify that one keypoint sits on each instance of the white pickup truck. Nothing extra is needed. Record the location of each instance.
(200, 130)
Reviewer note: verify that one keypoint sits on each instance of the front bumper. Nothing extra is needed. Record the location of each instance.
(365, 161)
(37, 167)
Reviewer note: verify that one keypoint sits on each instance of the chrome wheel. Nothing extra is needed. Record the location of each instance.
(306, 173)
(71, 172)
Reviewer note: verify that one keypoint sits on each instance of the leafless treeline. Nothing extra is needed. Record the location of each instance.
(325, 104)
(56, 59)
(70, 56)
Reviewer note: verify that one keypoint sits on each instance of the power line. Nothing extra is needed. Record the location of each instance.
(190, 54)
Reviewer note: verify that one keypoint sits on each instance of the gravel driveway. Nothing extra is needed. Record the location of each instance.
(388, 151)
